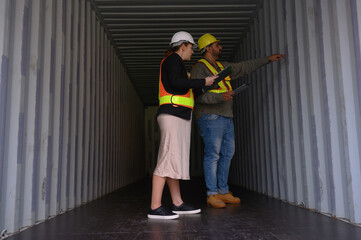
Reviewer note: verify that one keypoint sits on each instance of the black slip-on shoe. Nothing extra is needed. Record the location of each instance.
(162, 213)
(185, 208)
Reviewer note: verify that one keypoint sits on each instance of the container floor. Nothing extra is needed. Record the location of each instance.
(123, 215)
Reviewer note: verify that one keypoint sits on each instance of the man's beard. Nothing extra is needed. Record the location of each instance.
(216, 55)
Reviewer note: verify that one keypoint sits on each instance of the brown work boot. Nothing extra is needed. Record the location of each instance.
(213, 201)
(228, 198)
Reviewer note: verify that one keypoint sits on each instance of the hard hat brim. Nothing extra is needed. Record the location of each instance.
(194, 45)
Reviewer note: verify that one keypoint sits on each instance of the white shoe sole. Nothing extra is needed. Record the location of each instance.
(163, 217)
(187, 212)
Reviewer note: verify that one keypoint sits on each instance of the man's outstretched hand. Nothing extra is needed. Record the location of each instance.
(276, 57)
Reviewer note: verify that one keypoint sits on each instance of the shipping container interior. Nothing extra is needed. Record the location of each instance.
(79, 95)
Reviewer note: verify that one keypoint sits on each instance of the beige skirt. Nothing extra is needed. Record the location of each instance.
(174, 148)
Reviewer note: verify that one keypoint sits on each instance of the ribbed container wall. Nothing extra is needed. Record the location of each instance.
(152, 139)
(71, 124)
(298, 125)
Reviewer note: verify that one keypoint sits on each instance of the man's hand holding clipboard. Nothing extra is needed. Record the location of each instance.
(229, 95)
(240, 89)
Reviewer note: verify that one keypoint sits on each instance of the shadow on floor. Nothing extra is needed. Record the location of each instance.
(123, 215)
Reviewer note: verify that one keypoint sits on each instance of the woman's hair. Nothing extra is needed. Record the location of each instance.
(176, 48)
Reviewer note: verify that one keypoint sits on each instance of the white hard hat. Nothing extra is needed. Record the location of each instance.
(181, 37)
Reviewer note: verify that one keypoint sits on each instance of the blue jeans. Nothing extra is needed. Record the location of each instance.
(217, 133)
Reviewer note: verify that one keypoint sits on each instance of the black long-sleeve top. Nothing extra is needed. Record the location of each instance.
(175, 81)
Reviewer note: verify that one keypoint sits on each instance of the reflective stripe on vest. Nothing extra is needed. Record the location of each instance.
(225, 84)
(186, 100)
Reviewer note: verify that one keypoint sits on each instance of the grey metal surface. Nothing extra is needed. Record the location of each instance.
(142, 29)
(122, 215)
(298, 126)
(71, 124)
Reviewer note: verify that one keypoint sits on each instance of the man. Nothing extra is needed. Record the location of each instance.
(214, 113)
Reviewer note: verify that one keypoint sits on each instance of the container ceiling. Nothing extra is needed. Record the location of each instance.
(141, 31)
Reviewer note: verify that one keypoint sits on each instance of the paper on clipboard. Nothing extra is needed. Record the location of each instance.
(240, 89)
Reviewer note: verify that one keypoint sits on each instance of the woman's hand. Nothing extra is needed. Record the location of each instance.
(210, 80)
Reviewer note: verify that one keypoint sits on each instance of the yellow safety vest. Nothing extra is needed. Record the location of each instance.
(186, 100)
(225, 84)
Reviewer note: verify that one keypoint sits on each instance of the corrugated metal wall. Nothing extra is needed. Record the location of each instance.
(71, 124)
(298, 126)
(152, 139)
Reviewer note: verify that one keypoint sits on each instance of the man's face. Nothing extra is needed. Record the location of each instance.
(216, 50)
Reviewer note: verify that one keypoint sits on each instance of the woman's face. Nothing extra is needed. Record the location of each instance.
(187, 51)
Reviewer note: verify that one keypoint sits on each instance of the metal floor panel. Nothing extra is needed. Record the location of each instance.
(122, 215)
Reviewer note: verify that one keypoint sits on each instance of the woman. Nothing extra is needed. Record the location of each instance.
(174, 117)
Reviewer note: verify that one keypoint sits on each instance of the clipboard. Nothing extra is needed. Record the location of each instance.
(221, 75)
(240, 89)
